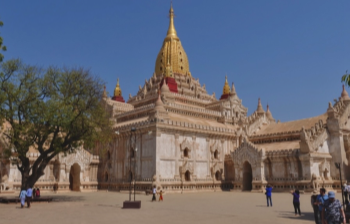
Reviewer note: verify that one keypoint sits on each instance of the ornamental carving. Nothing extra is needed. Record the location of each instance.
(186, 166)
(246, 152)
(216, 167)
(81, 157)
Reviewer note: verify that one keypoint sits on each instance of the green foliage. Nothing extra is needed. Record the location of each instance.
(346, 78)
(54, 110)
(2, 48)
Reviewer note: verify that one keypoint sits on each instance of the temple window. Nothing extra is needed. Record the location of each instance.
(216, 154)
(186, 152)
(161, 68)
(108, 155)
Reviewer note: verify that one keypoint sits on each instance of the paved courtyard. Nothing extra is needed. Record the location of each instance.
(106, 207)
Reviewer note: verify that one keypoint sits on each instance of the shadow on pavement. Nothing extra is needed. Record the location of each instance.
(65, 198)
(290, 215)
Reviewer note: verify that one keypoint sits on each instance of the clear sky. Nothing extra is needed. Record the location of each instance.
(291, 54)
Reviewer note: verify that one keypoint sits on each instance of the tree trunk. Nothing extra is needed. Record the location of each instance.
(28, 180)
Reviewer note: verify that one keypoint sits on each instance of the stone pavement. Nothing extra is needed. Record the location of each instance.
(214, 207)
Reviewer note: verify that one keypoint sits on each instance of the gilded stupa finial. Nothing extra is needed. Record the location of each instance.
(117, 90)
(226, 89)
(171, 30)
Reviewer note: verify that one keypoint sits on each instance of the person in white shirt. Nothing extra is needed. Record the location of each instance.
(154, 193)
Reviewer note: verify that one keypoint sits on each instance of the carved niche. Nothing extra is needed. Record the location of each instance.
(215, 151)
(186, 149)
(186, 166)
(216, 167)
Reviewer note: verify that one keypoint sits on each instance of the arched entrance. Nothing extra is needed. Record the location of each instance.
(187, 176)
(218, 175)
(247, 176)
(74, 177)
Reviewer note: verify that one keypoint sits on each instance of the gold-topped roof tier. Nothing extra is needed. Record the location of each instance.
(172, 51)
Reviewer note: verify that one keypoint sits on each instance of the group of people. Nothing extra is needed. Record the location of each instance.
(327, 209)
(27, 194)
(154, 191)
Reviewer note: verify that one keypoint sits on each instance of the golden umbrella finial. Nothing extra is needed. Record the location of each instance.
(171, 30)
(117, 90)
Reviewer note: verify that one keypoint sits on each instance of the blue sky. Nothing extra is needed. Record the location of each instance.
(291, 54)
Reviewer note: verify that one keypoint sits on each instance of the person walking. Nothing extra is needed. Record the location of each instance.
(154, 193)
(296, 201)
(347, 190)
(268, 195)
(315, 208)
(320, 200)
(161, 195)
(22, 197)
(37, 192)
(29, 196)
(332, 211)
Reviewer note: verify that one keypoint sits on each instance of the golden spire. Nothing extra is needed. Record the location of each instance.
(226, 89)
(172, 51)
(171, 30)
(117, 90)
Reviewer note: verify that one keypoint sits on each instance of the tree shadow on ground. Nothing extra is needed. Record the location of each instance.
(67, 198)
(291, 215)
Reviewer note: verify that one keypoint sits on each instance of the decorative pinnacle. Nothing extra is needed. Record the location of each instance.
(260, 108)
(226, 89)
(171, 30)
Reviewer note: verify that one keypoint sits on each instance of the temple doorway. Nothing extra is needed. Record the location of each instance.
(247, 176)
(74, 177)
(217, 175)
(187, 176)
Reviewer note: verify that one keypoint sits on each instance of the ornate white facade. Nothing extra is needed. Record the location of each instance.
(174, 135)
(187, 140)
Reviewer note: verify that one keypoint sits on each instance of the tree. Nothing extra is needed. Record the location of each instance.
(52, 110)
(2, 48)
(346, 78)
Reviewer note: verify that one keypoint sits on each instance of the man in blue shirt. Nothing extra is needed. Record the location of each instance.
(268, 195)
(320, 200)
(29, 196)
